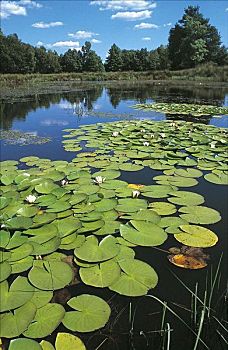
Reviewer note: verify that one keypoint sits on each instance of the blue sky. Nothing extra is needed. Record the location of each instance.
(131, 24)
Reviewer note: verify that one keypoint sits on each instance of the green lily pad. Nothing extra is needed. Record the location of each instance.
(101, 275)
(199, 214)
(91, 313)
(19, 293)
(185, 198)
(196, 236)
(130, 205)
(68, 341)
(25, 344)
(91, 251)
(136, 279)
(50, 275)
(162, 208)
(46, 187)
(19, 223)
(46, 320)
(218, 179)
(13, 324)
(5, 270)
(143, 233)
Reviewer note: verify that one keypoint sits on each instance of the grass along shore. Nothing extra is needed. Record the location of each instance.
(208, 73)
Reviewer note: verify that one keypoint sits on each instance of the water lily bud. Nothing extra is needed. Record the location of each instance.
(115, 133)
(135, 194)
(99, 179)
(146, 143)
(31, 198)
(64, 182)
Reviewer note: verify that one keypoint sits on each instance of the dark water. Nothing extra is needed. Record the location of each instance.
(47, 115)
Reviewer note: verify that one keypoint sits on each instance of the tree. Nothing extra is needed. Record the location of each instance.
(114, 60)
(193, 40)
(46, 61)
(71, 61)
(91, 62)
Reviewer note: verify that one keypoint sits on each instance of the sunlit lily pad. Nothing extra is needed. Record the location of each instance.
(68, 341)
(196, 236)
(50, 275)
(186, 198)
(46, 320)
(101, 275)
(92, 251)
(143, 233)
(199, 214)
(91, 313)
(136, 279)
(162, 208)
(25, 344)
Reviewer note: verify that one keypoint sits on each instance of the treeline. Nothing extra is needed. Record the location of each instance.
(192, 41)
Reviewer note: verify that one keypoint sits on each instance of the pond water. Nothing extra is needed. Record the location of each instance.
(46, 115)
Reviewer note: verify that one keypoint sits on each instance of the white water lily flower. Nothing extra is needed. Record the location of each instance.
(64, 182)
(115, 133)
(26, 174)
(151, 135)
(31, 198)
(3, 225)
(142, 130)
(162, 134)
(213, 143)
(135, 194)
(99, 179)
(146, 143)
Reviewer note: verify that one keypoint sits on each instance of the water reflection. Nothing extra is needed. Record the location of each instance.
(106, 97)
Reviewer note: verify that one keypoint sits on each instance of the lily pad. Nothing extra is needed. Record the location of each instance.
(196, 236)
(25, 344)
(143, 233)
(50, 275)
(162, 208)
(185, 198)
(136, 279)
(68, 341)
(46, 320)
(91, 251)
(199, 214)
(91, 313)
(101, 275)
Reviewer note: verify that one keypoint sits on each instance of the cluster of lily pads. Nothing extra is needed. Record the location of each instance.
(183, 108)
(51, 210)
(15, 137)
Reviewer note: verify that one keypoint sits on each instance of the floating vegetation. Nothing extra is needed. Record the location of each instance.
(15, 137)
(67, 220)
(188, 257)
(183, 108)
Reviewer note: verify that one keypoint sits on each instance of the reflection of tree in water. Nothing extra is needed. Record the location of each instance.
(204, 119)
(140, 92)
(19, 110)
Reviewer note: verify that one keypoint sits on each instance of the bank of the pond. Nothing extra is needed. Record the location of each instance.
(203, 74)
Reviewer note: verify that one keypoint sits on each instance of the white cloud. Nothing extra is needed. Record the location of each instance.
(132, 16)
(167, 24)
(17, 8)
(146, 38)
(226, 10)
(42, 25)
(121, 5)
(69, 43)
(40, 43)
(95, 41)
(82, 34)
(30, 3)
(9, 8)
(146, 26)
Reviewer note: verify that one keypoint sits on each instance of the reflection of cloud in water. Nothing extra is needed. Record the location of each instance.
(97, 106)
(32, 133)
(49, 122)
(65, 105)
